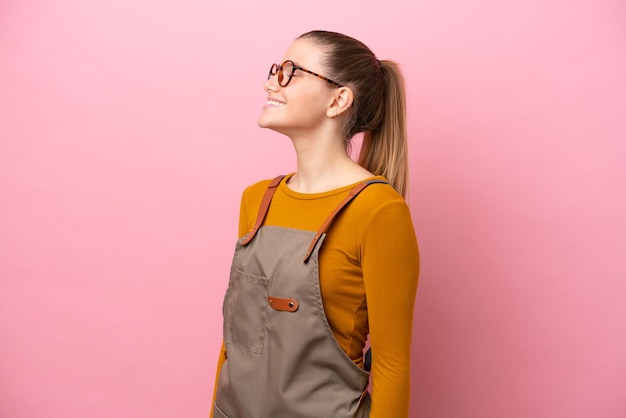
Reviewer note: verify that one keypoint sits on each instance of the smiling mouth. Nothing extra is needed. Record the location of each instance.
(275, 103)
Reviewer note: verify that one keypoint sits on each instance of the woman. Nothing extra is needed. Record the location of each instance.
(327, 256)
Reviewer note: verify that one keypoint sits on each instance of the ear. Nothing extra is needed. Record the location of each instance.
(342, 100)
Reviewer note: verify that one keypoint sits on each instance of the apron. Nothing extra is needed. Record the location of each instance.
(283, 360)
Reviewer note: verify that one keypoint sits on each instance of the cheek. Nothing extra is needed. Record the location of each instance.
(313, 102)
(309, 112)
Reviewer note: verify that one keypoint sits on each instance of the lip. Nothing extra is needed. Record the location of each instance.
(274, 102)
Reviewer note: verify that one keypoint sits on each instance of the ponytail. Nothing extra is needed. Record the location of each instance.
(379, 107)
(384, 151)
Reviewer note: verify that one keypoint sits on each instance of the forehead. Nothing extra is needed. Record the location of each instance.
(306, 53)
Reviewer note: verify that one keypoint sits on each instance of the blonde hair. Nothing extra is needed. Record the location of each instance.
(379, 107)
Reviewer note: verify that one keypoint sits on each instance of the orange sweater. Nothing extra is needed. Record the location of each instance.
(369, 267)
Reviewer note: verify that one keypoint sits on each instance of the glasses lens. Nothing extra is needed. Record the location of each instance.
(273, 71)
(286, 71)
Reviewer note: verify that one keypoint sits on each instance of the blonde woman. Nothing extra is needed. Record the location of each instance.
(327, 256)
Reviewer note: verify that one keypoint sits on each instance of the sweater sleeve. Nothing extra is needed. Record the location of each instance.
(390, 263)
(220, 361)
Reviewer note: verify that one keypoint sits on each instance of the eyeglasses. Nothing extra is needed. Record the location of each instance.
(286, 70)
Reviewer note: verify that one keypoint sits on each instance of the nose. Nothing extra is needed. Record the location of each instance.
(271, 84)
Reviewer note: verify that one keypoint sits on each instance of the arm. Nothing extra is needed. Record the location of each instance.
(390, 262)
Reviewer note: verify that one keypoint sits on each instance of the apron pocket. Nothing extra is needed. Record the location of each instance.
(245, 311)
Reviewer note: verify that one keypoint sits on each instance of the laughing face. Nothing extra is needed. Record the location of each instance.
(299, 108)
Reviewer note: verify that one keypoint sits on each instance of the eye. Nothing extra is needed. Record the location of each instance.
(287, 67)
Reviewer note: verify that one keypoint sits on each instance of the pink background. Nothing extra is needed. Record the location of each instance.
(128, 131)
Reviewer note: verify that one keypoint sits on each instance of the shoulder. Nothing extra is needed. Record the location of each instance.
(250, 202)
(256, 188)
(382, 192)
(378, 207)
(253, 194)
(379, 198)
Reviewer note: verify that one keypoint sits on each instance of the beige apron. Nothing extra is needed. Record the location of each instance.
(282, 358)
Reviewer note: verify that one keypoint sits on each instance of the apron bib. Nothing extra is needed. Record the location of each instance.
(283, 360)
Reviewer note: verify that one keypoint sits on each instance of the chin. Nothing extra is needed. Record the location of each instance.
(261, 123)
(264, 121)
(272, 127)
(267, 124)
(275, 124)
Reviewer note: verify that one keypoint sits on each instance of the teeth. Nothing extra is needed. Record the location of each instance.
(274, 103)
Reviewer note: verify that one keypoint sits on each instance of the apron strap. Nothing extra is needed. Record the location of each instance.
(265, 204)
(353, 193)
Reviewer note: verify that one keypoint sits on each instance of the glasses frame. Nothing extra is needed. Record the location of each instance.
(278, 69)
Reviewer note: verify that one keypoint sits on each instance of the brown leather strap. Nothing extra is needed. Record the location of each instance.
(265, 204)
(283, 304)
(353, 193)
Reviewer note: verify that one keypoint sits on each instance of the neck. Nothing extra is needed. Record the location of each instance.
(323, 164)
